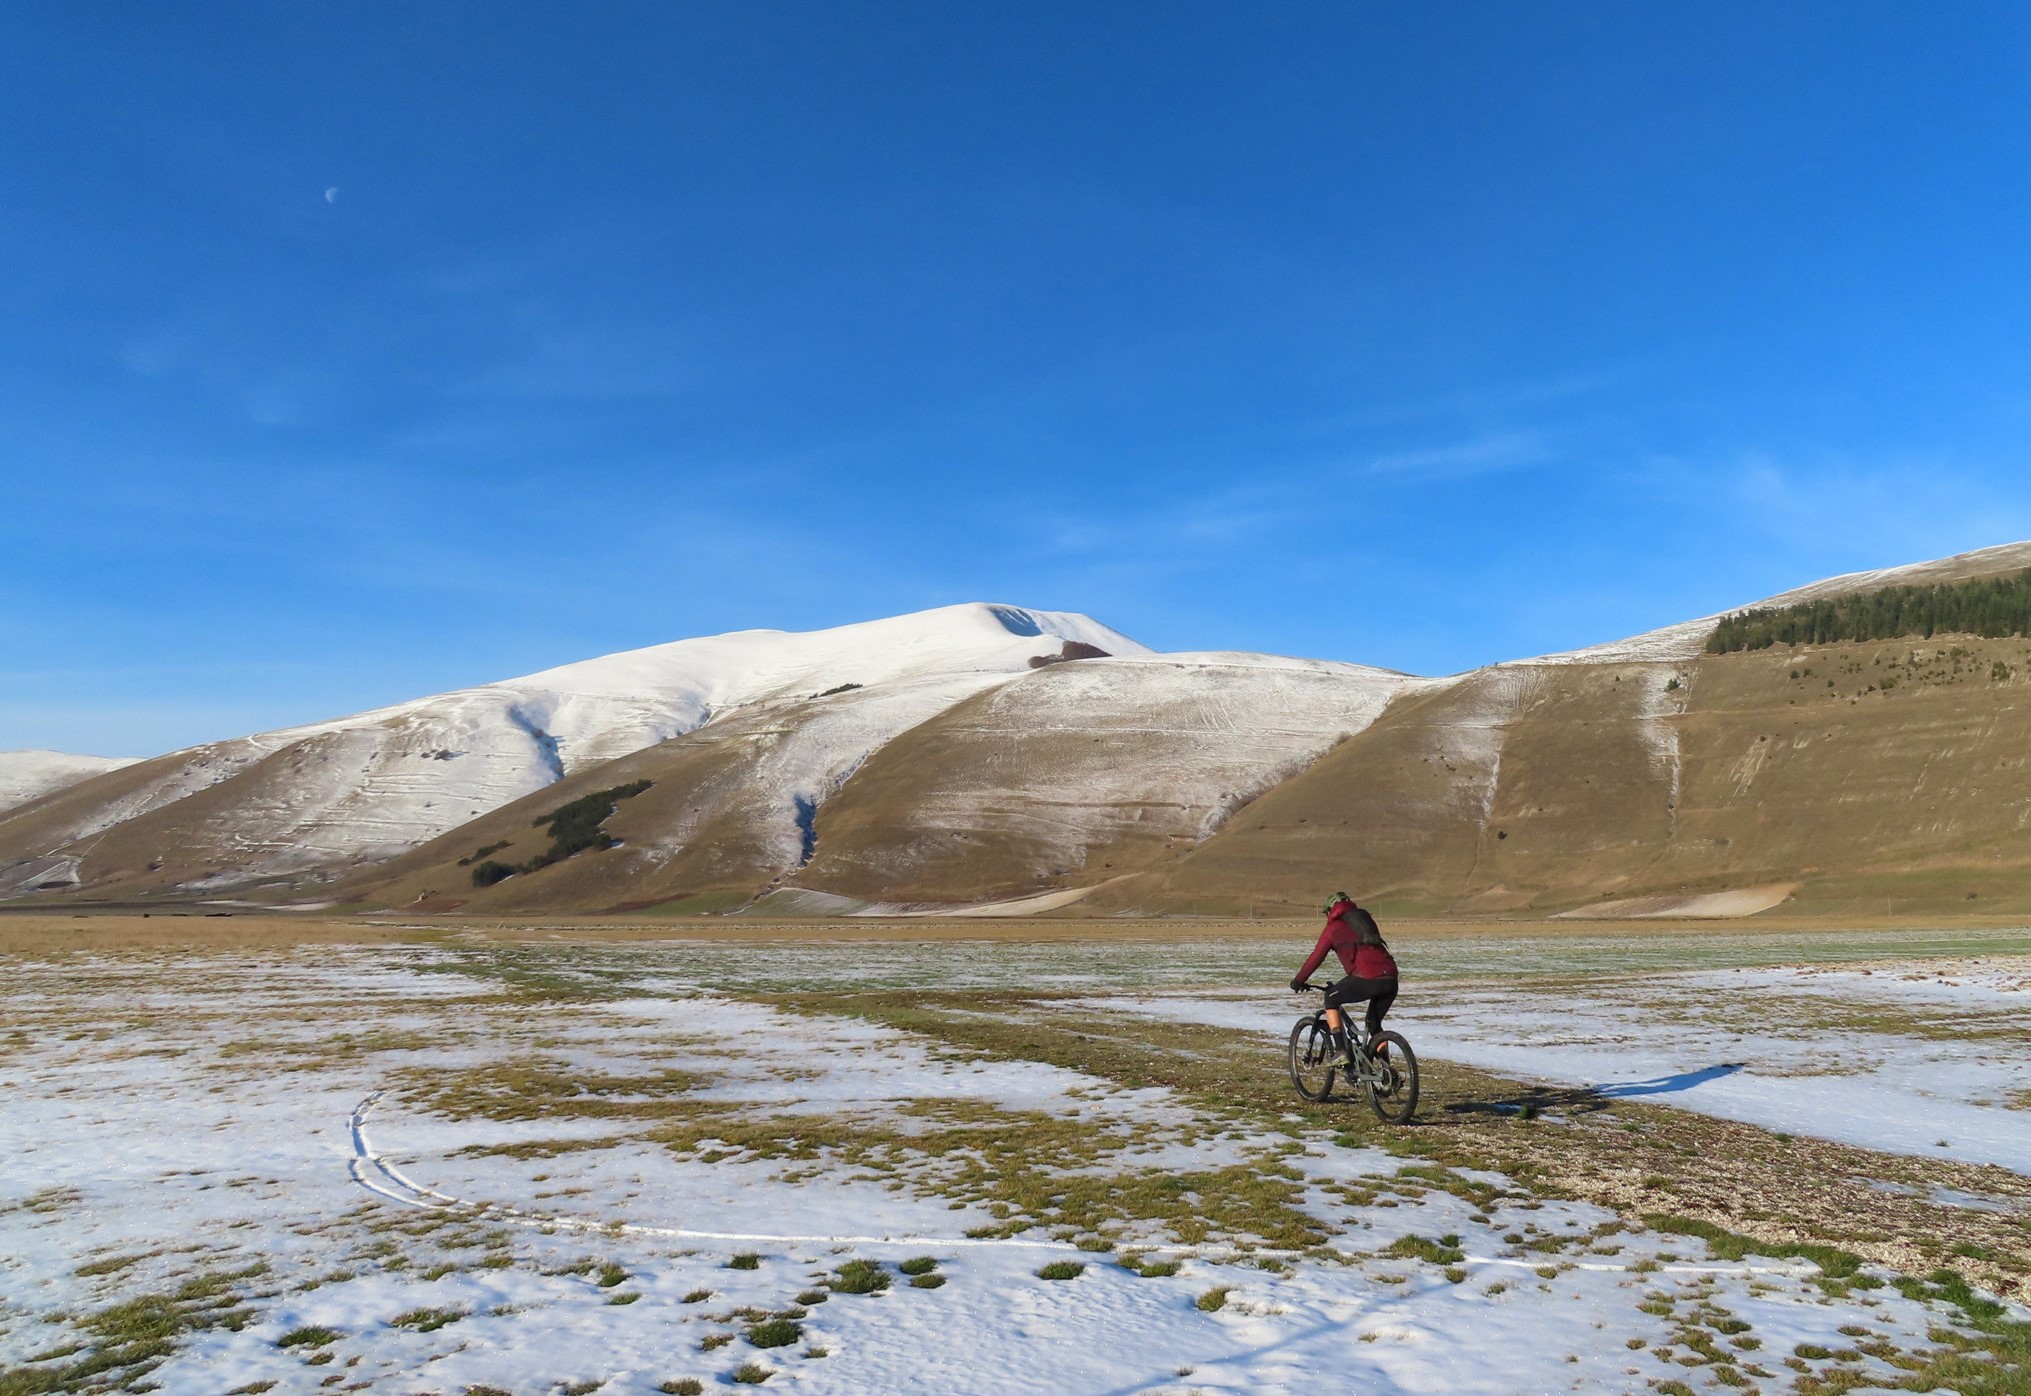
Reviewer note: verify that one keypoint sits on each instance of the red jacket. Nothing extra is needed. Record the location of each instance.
(1365, 961)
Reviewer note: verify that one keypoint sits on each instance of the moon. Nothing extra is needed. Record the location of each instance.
(331, 195)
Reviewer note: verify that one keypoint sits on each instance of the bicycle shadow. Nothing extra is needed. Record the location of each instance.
(1666, 1085)
(1586, 1100)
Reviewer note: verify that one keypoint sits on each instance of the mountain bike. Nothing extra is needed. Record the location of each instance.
(1389, 1079)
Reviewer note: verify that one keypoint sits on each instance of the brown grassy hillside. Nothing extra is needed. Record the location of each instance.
(1890, 776)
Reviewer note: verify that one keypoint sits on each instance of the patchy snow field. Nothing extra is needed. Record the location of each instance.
(454, 1171)
(1926, 1057)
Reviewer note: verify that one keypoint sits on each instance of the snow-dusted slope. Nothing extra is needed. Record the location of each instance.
(1100, 766)
(28, 775)
(367, 786)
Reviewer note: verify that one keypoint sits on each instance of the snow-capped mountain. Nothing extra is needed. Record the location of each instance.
(369, 785)
(925, 790)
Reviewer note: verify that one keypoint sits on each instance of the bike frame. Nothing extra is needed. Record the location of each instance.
(1364, 1067)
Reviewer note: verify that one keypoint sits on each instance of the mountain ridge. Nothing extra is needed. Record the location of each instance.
(367, 785)
(956, 756)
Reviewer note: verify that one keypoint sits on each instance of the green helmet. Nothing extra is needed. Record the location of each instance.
(1334, 901)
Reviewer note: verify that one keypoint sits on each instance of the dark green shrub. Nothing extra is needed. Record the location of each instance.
(574, 827)
(490, 872)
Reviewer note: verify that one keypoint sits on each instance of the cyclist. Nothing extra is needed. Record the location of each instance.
(1351, 933)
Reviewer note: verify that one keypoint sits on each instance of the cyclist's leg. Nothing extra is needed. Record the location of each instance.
(1336, 1021)
(1378, 1004)
(1353, 990)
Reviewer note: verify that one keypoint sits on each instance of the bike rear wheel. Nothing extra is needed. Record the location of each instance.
(1391, 1086)
(1312, 1061)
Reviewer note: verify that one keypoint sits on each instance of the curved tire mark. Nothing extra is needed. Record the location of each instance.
(382, 1178)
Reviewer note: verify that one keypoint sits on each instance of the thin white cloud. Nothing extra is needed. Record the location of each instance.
(1485, 455)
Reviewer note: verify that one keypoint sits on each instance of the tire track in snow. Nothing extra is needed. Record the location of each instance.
(377, 1175)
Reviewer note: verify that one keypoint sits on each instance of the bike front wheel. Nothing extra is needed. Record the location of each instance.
(1312, 1060)
(1391, 1086)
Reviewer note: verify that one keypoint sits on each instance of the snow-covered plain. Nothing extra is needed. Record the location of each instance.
(1919, 1057)
(617, 1161)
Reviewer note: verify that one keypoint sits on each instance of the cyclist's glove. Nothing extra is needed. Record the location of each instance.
(1297, 986)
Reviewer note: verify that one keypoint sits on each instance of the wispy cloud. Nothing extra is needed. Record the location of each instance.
(1485, 455)
(1770, 521)
(1479, 405)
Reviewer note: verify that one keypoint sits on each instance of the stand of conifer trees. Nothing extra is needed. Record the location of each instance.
(1992, 606)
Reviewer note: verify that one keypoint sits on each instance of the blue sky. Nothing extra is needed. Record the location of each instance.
(1417, 335)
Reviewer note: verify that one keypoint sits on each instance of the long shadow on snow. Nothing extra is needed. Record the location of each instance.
(1583, 1100)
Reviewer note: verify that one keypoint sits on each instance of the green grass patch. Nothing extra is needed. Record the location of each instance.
(428, 1320)
(860, 1277)
(308, 1337)
(775, 1333)
(1062, 1270)
(1445, 1250)
(132, 1337)
(1834, 1262)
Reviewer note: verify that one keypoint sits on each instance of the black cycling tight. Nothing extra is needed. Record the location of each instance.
(1378, 994)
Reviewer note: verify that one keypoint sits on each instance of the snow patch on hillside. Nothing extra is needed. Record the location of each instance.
(1077, 755)
(29, 775)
